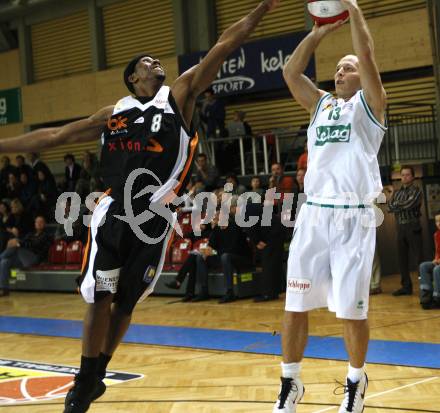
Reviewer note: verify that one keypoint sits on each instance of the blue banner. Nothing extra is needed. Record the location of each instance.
(254, 67)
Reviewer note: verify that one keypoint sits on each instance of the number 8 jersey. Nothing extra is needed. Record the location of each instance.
(147, 133)
(344, 139)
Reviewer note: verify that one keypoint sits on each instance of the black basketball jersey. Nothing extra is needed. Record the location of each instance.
(152, 136)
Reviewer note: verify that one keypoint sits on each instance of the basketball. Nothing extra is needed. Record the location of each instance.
(327, 11)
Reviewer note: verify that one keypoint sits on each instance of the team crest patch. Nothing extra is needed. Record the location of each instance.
(299, 285)
(24, 382)
(149, 274)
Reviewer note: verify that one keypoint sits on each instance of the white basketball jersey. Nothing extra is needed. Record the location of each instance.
(343, 142)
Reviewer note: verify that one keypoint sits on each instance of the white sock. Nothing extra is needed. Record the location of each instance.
(355, 374)
(290, 370)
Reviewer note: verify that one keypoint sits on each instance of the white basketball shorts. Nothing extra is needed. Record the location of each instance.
(330, 260)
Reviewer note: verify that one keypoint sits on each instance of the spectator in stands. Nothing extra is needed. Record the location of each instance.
(24, 252)
(239, 117)
(376, 274)
(13, 187)
(406, 204)
(213, 115)
(79, 230)
(299, 178)
(228, 249)
(269, 244)
(28, 188)
(5, 214)
(282, 183)
(44, 201)
(22, 166)
(189, 267)
(206, 173)
(71, 172)
(257, 187)
(19, 222)
(88, 176)
(430, 275)
(38, 165)
(302, 160)
(237, 188)
(5, 169)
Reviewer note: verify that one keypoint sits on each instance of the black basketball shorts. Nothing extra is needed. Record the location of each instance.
(116, 261)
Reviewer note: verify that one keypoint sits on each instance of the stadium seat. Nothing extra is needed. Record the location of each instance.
(180, 250)
(74, 255)
(184, 221)
(201, 244)
(57, 255)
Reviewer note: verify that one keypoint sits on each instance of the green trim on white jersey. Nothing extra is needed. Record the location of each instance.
(319, 105)
(369, 112)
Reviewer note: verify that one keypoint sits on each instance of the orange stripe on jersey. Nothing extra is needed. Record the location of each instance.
(86, 251)
(193, 145)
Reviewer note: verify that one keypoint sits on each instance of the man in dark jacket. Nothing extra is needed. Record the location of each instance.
(30, 250)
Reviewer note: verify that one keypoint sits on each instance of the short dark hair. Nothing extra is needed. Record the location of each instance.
(201, 155)
(409, 167)
(232, 176)
(69, 156)
(20, 157)
(129, 70)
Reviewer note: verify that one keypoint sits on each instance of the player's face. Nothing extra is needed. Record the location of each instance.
(347, 78)
(149, 68)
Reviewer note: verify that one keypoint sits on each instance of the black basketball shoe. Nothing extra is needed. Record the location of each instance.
(84, 391)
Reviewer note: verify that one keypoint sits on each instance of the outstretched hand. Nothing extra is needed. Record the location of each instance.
(271, 4)
(327, 28)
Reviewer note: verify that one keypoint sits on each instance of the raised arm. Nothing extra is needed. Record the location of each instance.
(194, 81)
(364, 49)
(302, 88)
(79, 131)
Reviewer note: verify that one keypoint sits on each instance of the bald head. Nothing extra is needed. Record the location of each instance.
(347, 77)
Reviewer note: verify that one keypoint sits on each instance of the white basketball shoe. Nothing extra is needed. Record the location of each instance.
(291, 393)
(354, 396)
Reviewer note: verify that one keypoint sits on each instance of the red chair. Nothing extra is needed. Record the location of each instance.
(201, 244)
(180, 250)
(57, 255)
(74, 255)
(184, 221)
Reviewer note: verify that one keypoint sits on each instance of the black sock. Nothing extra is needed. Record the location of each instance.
(103, 361)
(89, 366)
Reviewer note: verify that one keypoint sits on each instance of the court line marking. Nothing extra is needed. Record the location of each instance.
(383, 392)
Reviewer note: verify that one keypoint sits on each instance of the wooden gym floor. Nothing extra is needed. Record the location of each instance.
(186, 380)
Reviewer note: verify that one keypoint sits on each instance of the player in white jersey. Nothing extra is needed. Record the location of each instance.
(333, 245)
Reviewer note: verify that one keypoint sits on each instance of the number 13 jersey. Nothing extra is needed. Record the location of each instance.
(344, 139)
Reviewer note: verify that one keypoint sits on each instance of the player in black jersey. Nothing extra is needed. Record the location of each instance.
(149, 131)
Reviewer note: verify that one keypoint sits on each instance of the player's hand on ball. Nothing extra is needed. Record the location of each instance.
(323, 30)
(271, 4)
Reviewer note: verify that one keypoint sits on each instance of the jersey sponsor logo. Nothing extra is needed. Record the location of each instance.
(23, 382)
(116, 124)
(128, 145)
(140, 120)
(332, 134)
(107, 280)
(299, 285)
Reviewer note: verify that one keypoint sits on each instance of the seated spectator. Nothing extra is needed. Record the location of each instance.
(22, 166)
(257, 188)
(228, 249)
(38, 165)
(282, 182)
(28, 188)
(237, 188)
(189, 266)
(19, 222)
(79, 230)
(299, 178)
(88, 176)
(302, 160)
(430, 275)
(5, 213)
(206, 173)
(13, 187)
(71, 173)
(44, 201)
(5, 169)
(24, 252)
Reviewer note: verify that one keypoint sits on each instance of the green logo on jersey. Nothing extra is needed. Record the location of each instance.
(332, 134)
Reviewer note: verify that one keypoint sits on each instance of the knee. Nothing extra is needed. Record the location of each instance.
(437, 270)
(424, 266)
